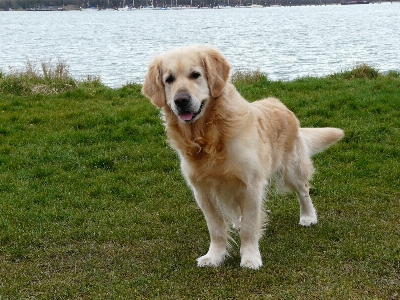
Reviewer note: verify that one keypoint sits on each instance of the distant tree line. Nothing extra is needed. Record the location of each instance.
(28, 4)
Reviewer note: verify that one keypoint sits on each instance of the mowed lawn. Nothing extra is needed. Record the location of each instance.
(93, 204)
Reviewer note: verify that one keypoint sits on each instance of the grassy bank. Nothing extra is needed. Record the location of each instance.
(93, 204)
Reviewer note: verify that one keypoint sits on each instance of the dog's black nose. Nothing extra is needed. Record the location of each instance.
(181, 100)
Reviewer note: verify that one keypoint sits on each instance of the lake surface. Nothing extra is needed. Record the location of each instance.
(284, 42)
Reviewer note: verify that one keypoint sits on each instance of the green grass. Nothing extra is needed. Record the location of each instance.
(93, 204)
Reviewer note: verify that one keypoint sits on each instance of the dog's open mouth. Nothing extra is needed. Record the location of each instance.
(190, 116)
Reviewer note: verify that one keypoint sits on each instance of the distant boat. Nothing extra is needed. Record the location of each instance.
(126, 8)
(354, 2)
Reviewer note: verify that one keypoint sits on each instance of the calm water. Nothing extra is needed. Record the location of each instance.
(284, 42)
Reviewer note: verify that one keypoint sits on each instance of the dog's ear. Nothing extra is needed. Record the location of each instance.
(217, 68)
(153, 87)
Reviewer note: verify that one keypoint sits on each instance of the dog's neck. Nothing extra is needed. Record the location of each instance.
(193, 139)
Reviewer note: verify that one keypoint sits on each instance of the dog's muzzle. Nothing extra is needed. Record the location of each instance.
(183, 104)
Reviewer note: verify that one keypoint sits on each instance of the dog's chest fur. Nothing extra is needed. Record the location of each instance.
(214, 149)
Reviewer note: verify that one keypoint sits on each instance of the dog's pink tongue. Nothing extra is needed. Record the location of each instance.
(186, 116)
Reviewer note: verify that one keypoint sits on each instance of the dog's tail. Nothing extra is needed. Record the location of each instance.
(318, 139)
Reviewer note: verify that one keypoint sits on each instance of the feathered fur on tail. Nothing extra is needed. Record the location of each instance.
(318, 139)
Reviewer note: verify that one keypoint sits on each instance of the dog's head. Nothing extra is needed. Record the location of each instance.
(186, 79)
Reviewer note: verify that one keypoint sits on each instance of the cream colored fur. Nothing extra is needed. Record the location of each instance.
(230, 148)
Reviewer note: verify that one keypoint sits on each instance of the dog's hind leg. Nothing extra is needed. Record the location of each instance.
(217, 229)
(308, 214)
(296, 178)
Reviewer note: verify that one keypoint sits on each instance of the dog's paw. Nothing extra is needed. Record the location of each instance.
(210, 261)
(251, 262)
(308, 220)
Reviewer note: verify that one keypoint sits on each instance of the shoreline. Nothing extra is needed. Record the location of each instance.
(184, 7)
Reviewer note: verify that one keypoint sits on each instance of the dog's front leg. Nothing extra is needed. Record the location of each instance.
(251, 228)
(217, 229)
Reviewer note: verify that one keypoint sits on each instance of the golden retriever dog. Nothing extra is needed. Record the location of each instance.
(230, 148)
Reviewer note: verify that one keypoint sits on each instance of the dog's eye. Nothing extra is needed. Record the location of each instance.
(169, 79)
(195, 75)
